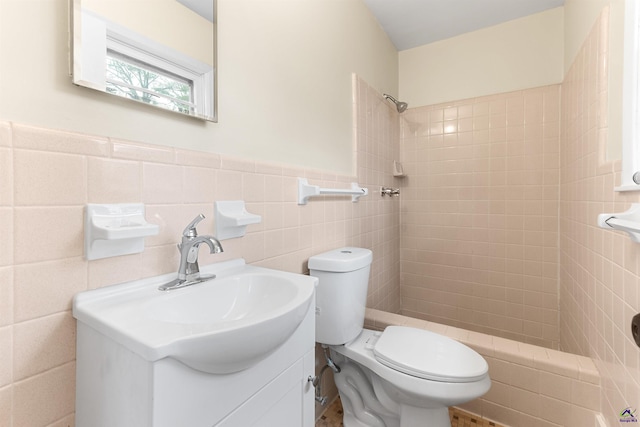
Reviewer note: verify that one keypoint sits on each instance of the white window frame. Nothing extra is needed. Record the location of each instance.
(631, 100)
(99, 35)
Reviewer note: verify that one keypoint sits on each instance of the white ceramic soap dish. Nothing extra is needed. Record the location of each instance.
(232, 219)
(116, 229)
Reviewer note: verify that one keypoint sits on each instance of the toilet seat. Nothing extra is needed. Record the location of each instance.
(428, 355)
(412, 388)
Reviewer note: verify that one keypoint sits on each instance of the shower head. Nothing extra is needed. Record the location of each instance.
(400, 106)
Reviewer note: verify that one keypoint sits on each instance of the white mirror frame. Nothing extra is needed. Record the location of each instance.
(631, 100)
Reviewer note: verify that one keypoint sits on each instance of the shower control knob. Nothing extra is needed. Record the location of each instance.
(386, 191)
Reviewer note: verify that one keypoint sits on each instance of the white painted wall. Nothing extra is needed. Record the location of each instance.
(519, 54)
(285, 74)
(284, 80)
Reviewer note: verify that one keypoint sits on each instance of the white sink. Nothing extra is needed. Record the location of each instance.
(219, 326)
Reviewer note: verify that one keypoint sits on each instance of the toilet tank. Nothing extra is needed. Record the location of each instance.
(341, 294)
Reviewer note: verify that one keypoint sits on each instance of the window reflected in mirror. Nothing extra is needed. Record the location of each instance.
(143, 82)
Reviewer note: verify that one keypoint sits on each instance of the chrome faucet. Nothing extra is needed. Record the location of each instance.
(188, 271)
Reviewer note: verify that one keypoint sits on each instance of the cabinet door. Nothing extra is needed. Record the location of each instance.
(280, 403)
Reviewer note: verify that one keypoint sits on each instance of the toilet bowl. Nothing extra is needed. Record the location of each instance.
(400, 377)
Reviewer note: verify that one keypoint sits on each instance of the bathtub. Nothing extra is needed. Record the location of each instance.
(531, 386)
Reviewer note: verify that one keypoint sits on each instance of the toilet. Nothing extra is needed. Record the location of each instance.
(400, 377)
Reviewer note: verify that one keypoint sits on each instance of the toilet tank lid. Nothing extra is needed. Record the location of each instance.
(341, 260)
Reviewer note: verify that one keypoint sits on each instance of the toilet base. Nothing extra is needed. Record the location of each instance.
(423, 417)
(360, 405)
(410, 417)
(365, 404)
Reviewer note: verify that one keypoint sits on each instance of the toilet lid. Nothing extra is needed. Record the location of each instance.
(428, 355)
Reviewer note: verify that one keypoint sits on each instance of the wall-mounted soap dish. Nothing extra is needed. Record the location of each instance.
(117, 229)
(232, 219)
(398, 170)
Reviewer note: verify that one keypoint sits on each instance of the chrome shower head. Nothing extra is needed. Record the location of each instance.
(400, 106)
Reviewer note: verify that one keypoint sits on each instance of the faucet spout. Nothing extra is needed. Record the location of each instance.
(212, 242)
(188, 270)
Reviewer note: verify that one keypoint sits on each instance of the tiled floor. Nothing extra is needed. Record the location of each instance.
(460, 418)
(332, 417)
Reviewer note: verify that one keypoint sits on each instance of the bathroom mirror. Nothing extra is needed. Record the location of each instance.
(158, 52)
(630, 176)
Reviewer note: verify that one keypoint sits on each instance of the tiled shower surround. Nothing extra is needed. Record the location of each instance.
(479, 247)
(479, 214)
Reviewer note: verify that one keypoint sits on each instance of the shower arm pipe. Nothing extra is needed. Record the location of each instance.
(400, 106)
(305, 190)
(392, 98)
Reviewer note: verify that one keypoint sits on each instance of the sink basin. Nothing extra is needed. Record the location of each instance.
(223, 325)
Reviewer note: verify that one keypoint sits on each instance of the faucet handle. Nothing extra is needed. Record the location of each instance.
(190, 230)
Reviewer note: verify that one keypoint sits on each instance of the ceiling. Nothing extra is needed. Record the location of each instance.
(412, 23)
(204, 8)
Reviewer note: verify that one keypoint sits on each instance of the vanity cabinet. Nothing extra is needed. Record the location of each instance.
(117, 387)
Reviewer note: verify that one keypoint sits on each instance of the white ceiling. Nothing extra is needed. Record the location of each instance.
(411, 23)
(203, 8)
